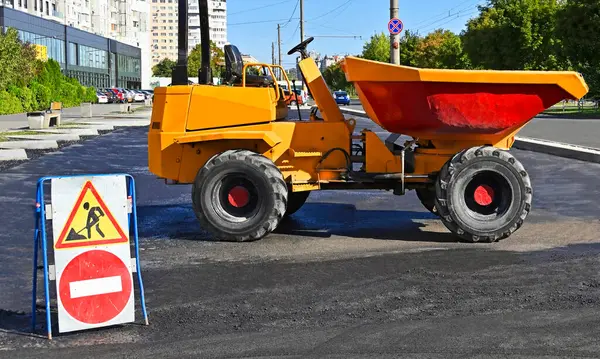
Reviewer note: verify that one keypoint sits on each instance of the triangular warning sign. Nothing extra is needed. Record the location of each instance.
(90, 223)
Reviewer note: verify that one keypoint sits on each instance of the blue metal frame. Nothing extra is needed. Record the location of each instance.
(40, 242)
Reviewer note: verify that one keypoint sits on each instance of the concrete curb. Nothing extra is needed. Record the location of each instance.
(30, 145)
(51, 136)
(13, 155)
(559, 149)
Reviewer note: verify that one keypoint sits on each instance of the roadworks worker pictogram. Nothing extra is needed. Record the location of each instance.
(90, 223)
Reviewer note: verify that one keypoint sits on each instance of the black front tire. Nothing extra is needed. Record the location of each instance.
(295, 201)
(496, 215)
(264, 200)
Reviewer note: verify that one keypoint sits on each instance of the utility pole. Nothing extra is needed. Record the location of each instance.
(279, 42)
(394, 39)
(279, 49)
(272, 53)
(301, 20)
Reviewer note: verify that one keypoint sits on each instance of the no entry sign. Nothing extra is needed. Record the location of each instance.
(95, 287)
(92, 255)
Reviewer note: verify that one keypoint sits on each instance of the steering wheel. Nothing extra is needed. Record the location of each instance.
(301, 47)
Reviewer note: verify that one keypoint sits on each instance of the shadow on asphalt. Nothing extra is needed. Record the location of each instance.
(319, 220)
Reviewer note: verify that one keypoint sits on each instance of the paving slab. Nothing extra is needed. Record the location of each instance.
(13, 155)
(74, 131)
(29, 144)
(54, 137)
(123, 123)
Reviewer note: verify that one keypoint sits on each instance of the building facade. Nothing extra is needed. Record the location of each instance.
(164, 26)
(92, 59)
(125, 21)
(330, 60)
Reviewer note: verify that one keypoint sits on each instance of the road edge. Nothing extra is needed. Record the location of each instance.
(566, 150)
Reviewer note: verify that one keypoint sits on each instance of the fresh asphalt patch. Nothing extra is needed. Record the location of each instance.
(352, 274)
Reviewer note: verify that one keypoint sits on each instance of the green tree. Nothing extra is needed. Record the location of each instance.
(217, 60)
(17, 59)
(578, 26)
(408, 45)
(164, 68)
(335, 78)
(377, 48)
(515, 35)
(441, 49)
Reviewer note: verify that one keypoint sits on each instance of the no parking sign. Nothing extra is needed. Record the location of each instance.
(92, 218)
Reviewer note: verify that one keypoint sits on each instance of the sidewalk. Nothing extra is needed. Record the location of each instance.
(16, 121)
(581, 132)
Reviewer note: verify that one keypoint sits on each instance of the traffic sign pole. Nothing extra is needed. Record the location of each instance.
(394, 33)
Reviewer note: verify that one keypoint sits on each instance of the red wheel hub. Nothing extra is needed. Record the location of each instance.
(484, 195)
(238, 196)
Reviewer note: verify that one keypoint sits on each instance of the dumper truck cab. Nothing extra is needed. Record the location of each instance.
(249, 165)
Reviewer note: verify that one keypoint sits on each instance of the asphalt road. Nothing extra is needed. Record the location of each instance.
(582, 132)
(352, 274)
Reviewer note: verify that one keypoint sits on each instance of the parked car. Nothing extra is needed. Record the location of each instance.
(120, 96)
(128, 95)
(149, 95)
(138, 96)
(303, 94)
(341, 97)
(102, 98)
(111, 96)
(293, 98)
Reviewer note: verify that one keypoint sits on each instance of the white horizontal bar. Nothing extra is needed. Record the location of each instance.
(86, 288)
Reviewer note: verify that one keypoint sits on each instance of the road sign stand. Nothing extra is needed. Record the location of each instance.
(40, 242)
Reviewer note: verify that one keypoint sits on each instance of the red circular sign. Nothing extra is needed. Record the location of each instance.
(95, 287)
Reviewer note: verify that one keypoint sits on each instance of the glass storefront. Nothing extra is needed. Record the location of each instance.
(55, 47)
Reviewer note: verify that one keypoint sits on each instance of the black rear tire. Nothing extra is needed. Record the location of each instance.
(427, 198)
(483, 194)
(239, 196)
(295, 201)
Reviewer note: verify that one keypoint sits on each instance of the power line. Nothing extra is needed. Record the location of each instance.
(255, 22)
(452, 16)
(452, 19)
(294, 34)
(293, 12)
(335, 29)
(330, 11)
(260, 7)
(446, 13)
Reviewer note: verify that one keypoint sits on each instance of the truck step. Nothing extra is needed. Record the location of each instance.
(306, 154)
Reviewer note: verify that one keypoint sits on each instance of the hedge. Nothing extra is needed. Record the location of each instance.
(28, 84)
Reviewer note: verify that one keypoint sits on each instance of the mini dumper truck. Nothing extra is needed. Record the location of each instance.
(249, 165)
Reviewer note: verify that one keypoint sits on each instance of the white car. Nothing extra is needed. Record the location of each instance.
(139, 97)
(102, 98)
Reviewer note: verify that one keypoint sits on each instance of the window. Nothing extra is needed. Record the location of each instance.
(72, 54)
(47, 8)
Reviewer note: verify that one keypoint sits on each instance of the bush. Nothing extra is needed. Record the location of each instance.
(25, 95)
(90, 95)
(41, 94)
(9, 103)
(27, 84)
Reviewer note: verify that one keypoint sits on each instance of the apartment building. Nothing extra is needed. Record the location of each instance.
(164, 26)
(124, 21)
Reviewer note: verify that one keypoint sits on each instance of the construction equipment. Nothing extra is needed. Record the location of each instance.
(250, 166)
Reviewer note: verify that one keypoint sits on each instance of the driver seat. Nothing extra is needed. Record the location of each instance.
(234, 66)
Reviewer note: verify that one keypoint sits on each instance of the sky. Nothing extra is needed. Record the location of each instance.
(252, 24)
